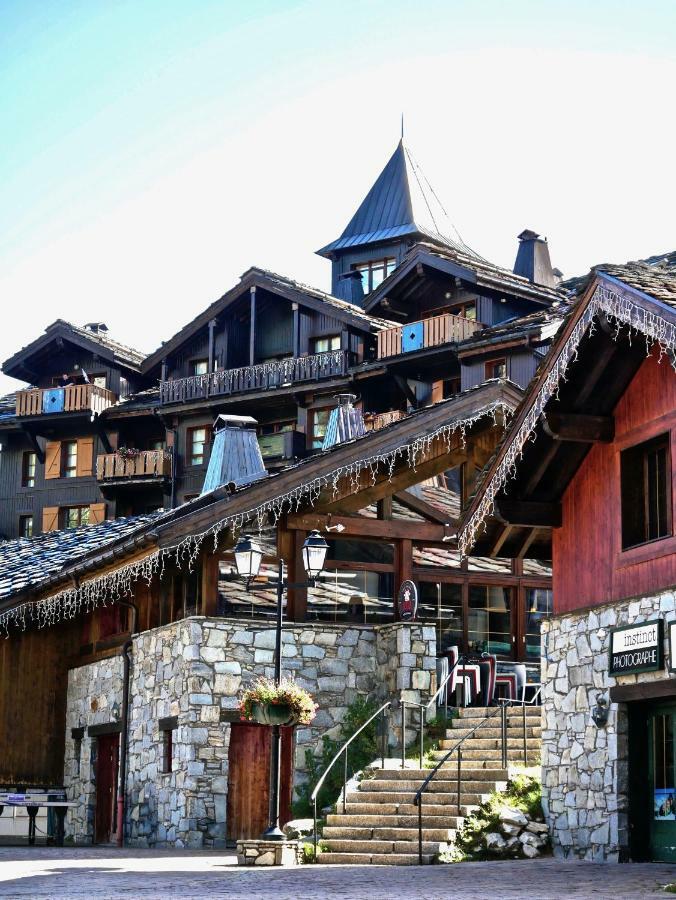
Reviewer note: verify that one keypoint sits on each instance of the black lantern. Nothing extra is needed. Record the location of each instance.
(314, 554)
(601, 711)
(248, 556)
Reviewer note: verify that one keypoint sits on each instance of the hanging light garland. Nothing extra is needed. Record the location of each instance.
(621, 311)
(104, 590)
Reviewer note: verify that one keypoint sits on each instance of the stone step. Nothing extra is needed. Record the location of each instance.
(382, 859)
(432, 798)
(490, 757)
(384, 833)
(513, 712)
(488, 742)
(392, 820)
(378, 847)
(436, 785)
(469, 773)
(433, 809)
(489, 732)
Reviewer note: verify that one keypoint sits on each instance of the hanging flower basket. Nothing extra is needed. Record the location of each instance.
(128, 452)
(277, 704)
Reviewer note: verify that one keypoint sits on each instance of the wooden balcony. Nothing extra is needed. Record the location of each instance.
(283, 445)
(445, 329)
(146, 465)
(75, 398)
(376, 421)
(261, 377)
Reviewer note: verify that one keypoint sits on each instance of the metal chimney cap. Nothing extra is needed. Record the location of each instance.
(345, 399)
(228, 421)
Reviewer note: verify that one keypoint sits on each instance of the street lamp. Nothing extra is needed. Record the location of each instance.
(248, 557)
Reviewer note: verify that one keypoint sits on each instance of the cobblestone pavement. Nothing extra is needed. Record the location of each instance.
(109, 873)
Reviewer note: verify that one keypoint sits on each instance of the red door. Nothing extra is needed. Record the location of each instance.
(106, 787)
(249, 779)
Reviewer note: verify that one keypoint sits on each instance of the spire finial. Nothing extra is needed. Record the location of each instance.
(402, 126)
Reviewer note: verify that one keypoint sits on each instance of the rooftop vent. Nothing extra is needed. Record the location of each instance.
(235, 456)
(351, 288)
(532, 259)
(345, 422)
(97, 327)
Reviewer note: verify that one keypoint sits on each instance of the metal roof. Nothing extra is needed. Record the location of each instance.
(401, 202)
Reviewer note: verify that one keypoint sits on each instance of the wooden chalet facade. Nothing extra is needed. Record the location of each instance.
(105, 475)
(586, 477)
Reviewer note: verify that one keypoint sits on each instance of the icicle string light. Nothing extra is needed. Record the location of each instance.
(621, 311)
(116, 585)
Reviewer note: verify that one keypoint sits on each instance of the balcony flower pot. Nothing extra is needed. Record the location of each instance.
(277, 704)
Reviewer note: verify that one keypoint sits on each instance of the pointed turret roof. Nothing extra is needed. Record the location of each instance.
(401, 202)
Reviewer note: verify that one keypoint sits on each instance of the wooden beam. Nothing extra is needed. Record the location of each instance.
(528, 514)
(577, 427)
(210, 573)
(405, 388)
(39, 452)
(526, 542)
(644, 690)
(422, 507)
(210, 362)
(541, 467)
(500, 540)
(296, 329)
(252, 327)
(384, 507)
(360, 526)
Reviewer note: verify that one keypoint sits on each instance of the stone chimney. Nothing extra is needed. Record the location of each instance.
(235, 456)
(345, 422)
(532, 259)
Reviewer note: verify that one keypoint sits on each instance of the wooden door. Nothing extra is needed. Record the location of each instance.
(106, 787)
(248, 812)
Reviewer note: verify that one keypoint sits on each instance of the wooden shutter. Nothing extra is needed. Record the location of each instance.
(97, 513)
(85, 456)
(53, 459)
(50, 518)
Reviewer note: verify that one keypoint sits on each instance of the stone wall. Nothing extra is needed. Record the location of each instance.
(585, 768)
(194, 670)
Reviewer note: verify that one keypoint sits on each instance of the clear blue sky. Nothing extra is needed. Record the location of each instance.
(152, 151)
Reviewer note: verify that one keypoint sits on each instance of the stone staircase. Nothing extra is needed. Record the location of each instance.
(380, 822)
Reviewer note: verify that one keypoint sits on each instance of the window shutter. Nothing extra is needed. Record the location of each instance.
(97, 513)
(50, 518)
(85, 456)
(53, 459)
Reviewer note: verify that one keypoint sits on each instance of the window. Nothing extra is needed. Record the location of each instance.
(197, 442)
(74, 516)
(645, 473)
(326, 344)
(373, 273)
(167, 736)
(464, 310)
(441, 604)
(319, 419)
(489, 619)
(451, 387)
(496, 368)
(28, 467)
(25, 526)
(538, 608)
(69, 459)
(99, 380)
(200, 366)
(157, 445)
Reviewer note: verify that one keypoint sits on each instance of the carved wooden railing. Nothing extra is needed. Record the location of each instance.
(74, 398)
(445, 329)
(260, 377)
(145, 464)
(376, 421)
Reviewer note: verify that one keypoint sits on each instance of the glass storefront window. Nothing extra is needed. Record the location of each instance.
(360, 551)
(441, 604)
(538, 608)
(341, 595)
(490, 618)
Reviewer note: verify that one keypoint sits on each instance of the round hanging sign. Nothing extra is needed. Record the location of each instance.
(407, 601)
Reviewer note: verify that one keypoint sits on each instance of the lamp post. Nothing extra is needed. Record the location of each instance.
(248, 557)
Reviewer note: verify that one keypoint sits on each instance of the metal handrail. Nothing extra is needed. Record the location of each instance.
(502, 709)
(424, 709)
(343, 749)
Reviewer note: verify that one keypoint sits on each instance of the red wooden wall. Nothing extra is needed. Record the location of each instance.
(590, 567)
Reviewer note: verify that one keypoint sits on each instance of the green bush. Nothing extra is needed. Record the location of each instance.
(362, 751)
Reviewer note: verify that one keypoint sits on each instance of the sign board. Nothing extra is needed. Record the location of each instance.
(407, 601)
(637, 648)
(671, 640)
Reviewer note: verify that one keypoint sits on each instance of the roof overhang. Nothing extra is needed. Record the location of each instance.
(567, 408)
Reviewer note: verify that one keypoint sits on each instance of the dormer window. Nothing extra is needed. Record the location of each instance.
(464, 310)
(374, 272)
(326, 344)
(200, 366)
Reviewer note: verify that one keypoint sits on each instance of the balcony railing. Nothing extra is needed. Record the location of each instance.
(445, 329)
(376, 421)
(74, 398)
(261, 377)
(145, 464)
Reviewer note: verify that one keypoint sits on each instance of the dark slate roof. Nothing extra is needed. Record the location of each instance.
(539, 327)
(122, 351)
(655, 276)
(485, 274)
(28, 562)
(8, 406)
(147, 399)
(401, 202)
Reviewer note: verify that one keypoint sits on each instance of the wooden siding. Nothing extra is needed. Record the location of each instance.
(147, 464)
(437, 330)
(590, 567)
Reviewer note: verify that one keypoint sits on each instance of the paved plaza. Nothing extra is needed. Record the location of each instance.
(109, 873)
